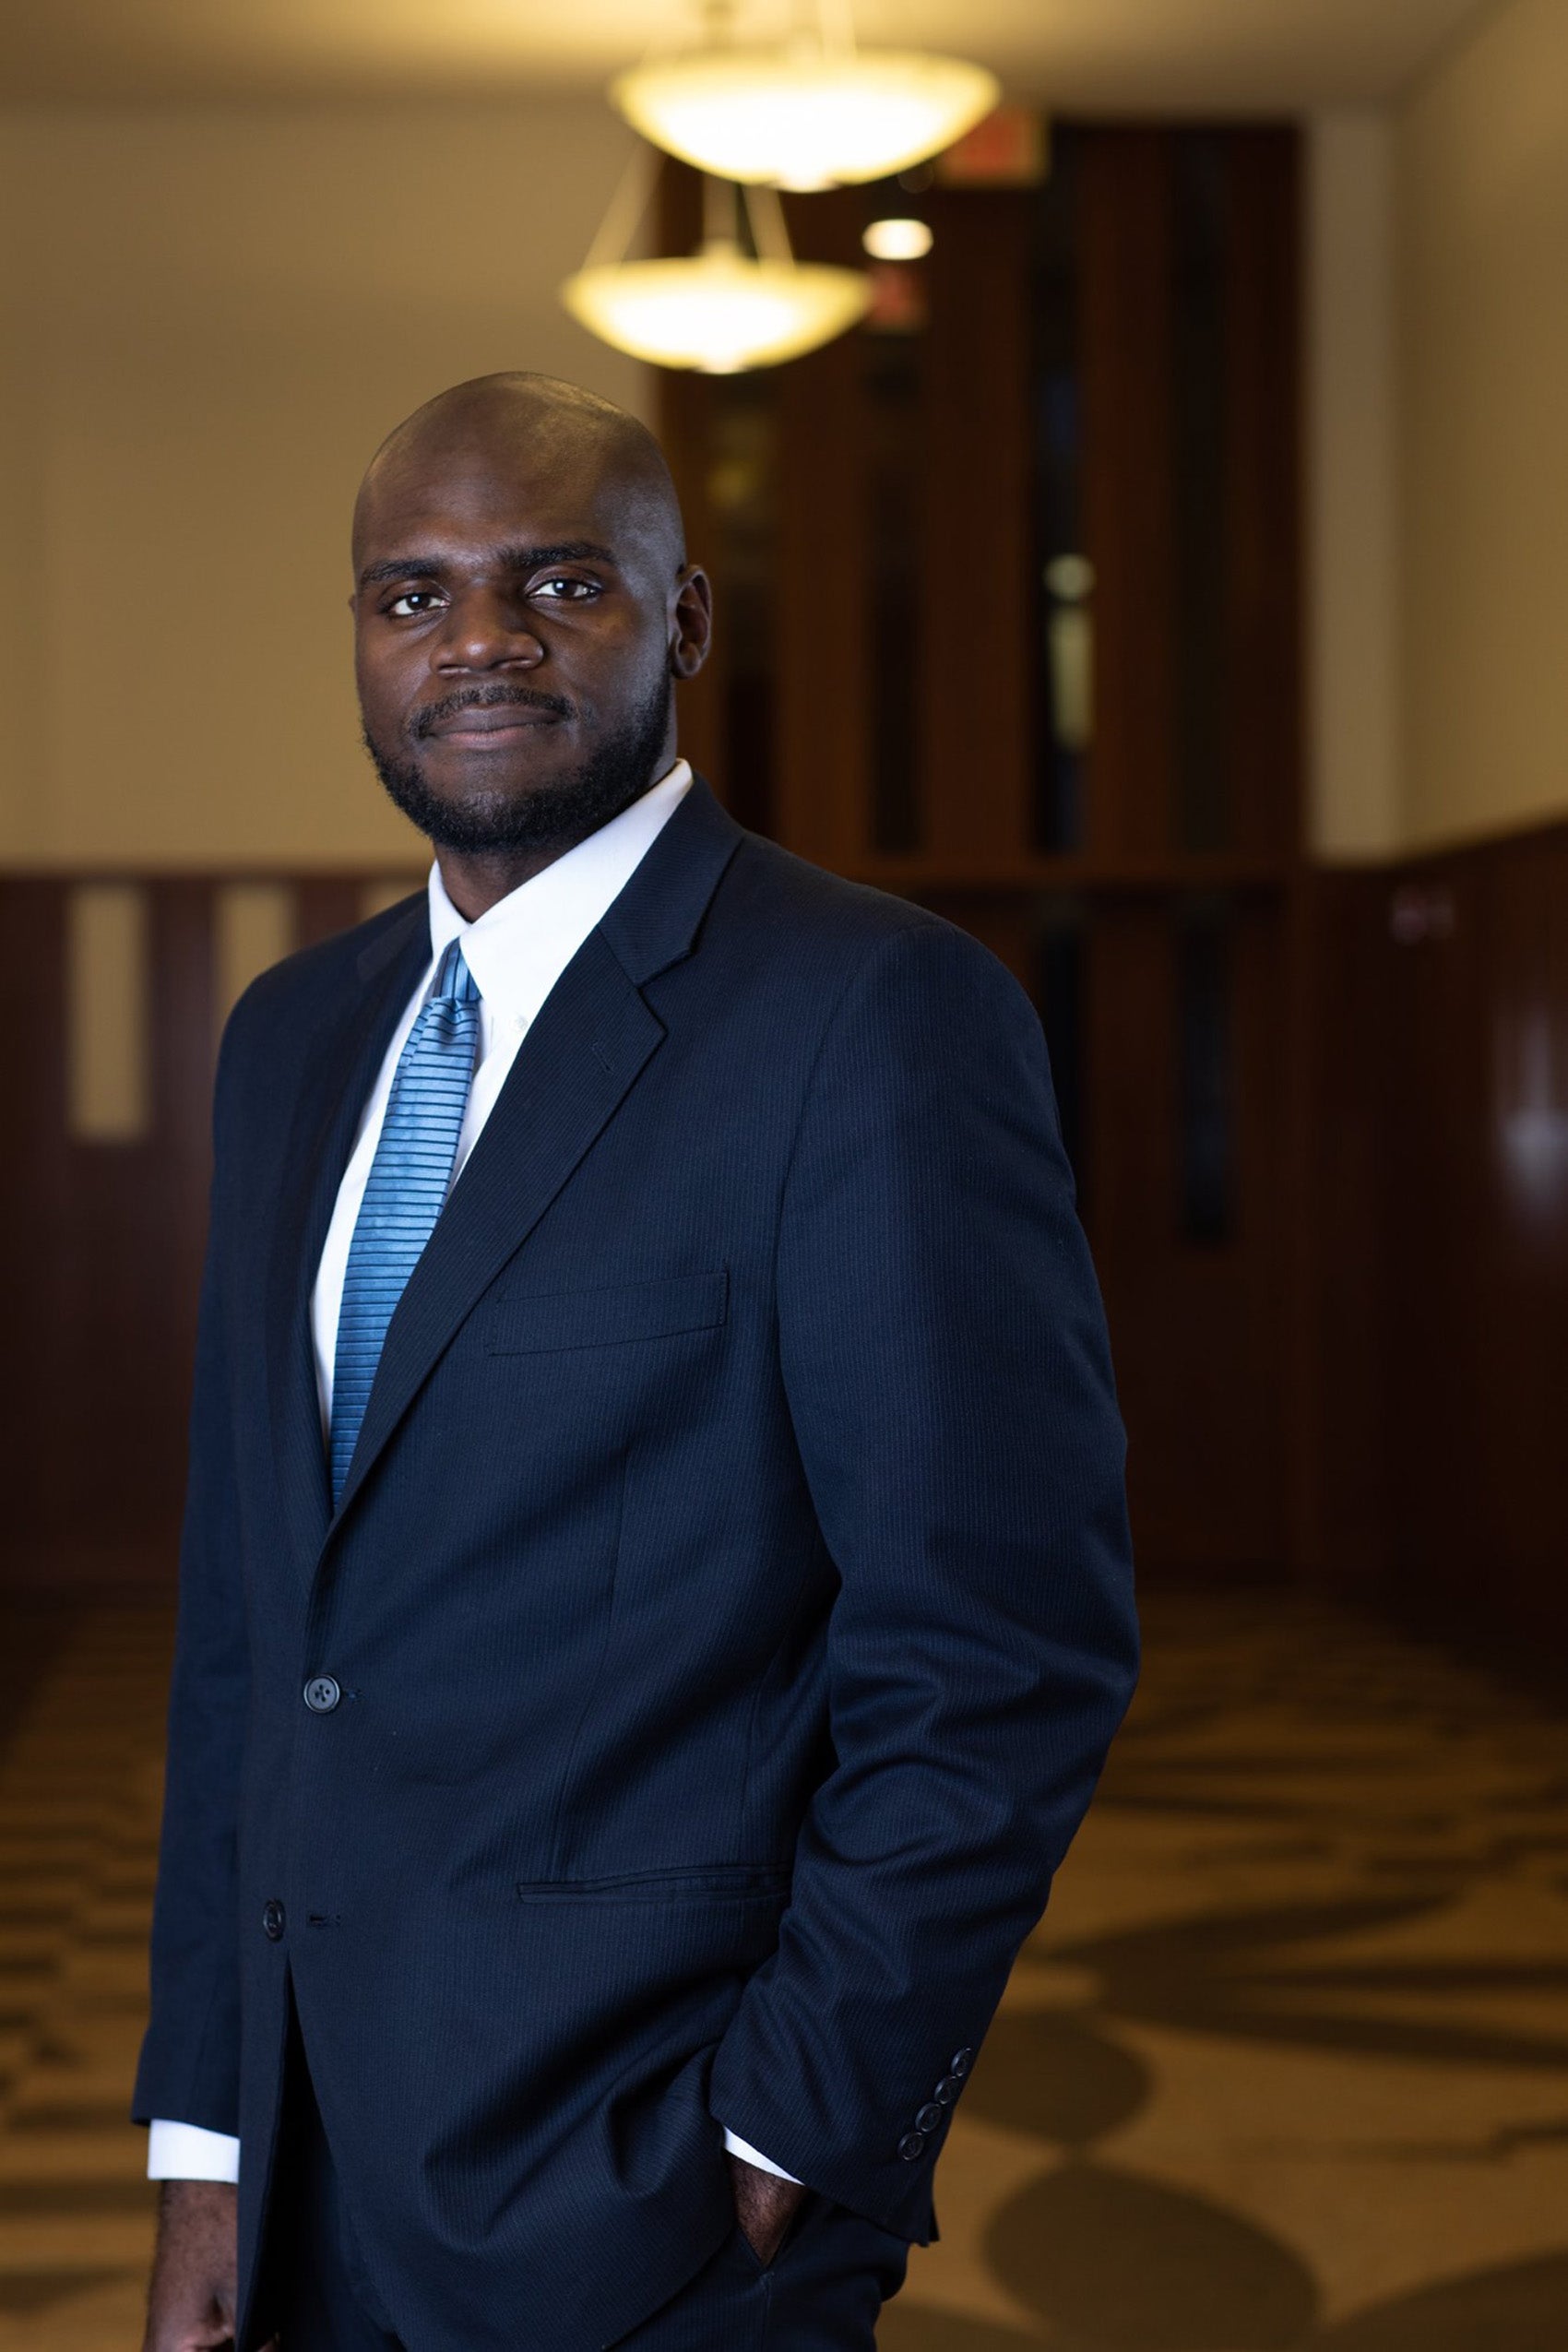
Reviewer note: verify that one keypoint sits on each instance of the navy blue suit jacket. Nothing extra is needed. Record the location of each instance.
(731, 1597)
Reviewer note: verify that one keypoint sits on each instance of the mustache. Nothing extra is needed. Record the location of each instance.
(431, 715)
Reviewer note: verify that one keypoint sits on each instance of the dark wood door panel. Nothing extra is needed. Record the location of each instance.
(1441, 1078)
(1125, 305)
(1199, 1324)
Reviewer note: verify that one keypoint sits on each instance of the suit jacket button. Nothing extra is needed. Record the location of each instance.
(273, 1920)
(929, 2118)
(911, 2147)
(321, 1694)
(960, 2062)
(947, 2090)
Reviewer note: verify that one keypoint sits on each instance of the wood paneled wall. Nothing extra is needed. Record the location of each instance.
(104, 1239)
(1414, 1167)
(1439, 1165)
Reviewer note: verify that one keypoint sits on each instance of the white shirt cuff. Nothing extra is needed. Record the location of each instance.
(184, 2152)
(738, 2147)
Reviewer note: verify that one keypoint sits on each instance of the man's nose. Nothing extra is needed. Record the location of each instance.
(488, 630)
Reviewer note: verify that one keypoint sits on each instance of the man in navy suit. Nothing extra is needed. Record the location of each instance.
(655, 1593)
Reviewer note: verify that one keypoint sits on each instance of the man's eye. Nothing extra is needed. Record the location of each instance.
(563, 589)
(412, 603)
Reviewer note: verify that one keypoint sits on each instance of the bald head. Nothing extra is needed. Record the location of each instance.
(521, 424)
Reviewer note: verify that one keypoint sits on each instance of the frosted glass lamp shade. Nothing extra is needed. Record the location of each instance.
(717, 311)
(801, 120)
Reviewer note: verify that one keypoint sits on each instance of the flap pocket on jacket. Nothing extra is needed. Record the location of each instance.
(717, 1883)
(523, 1325)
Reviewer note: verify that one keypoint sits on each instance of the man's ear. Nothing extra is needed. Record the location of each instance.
(690, 621)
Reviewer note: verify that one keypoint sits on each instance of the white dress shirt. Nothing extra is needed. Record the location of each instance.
(517, 951)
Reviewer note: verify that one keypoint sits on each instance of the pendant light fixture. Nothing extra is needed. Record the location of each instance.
(814, 113)
(719, 310)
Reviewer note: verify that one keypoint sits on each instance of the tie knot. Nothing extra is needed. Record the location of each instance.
(454, 981)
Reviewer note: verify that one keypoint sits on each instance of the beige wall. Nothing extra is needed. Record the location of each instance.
(1482, 195)
(210, 316)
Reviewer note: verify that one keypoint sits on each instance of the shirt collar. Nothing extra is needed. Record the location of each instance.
(518, 948)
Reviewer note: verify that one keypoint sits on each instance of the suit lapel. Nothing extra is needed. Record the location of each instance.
(592, 1037)
(588, 1045)
(340, 1068)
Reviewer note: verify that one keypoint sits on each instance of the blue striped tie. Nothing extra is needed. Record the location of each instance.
(406, 1191)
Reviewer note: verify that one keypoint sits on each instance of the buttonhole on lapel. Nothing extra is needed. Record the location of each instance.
(324, 1919)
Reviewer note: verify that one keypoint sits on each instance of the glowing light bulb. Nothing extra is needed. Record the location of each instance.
(897, 240)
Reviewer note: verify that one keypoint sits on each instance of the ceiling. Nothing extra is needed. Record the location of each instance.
(1078, 55)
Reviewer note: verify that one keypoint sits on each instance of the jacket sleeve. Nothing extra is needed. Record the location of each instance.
(189, 2066)
(944, 1354)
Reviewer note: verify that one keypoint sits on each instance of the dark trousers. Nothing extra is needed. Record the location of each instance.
(821, 2294)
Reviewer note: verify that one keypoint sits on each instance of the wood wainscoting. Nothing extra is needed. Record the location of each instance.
(105, 1232)
(1419, 1161)
(1435, 1454)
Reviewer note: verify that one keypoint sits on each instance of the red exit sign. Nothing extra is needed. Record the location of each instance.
(1010, 149)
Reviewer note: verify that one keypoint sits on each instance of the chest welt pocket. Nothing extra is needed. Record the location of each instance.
(531, 1323)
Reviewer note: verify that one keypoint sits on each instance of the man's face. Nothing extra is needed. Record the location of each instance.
(518, 626)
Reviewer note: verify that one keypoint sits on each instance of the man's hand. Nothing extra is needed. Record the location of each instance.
(190, 2306)
(764, 2206)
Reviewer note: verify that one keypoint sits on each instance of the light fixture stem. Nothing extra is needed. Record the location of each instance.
(836, 24)
(770, 231)
(624, 214)
(720, 214)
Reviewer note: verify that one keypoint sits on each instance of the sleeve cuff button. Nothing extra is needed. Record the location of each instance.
(911, 2147)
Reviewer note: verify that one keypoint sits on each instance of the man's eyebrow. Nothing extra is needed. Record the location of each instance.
(510, 559)
(401, 567)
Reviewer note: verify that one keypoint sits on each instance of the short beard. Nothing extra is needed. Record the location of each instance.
(553, 817)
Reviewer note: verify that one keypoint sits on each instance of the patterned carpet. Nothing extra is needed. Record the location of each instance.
(1286, 2070)
(80, 1785)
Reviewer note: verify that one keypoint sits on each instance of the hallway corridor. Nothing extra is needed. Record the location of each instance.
(1286, 2070)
